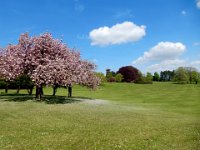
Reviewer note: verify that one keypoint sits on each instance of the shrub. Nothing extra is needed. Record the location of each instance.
(143, 80)
(112, 79)
(119, 77)
(101, 76)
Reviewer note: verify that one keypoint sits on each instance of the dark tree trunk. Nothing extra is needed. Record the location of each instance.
(69, 91)
(42, 92)
(39, 92)
(30, 90)
(6, 88)
(18, 89)
(55, 89)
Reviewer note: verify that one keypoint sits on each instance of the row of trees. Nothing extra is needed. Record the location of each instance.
(132, 74)
(187, 75)
(180, 75)
(46, 61)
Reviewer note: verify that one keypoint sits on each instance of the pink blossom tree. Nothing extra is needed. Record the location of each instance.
(48, 62)
(10, 63)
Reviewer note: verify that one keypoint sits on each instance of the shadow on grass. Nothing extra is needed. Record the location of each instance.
(59, 100)
(48, 99)
(16, 97)
(82, 97)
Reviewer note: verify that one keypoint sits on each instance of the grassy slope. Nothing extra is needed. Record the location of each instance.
(158, 116)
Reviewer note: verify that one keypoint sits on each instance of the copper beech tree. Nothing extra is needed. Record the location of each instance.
(47, 61)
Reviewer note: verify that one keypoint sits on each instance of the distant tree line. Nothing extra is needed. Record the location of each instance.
(125, 74)
(181, 75)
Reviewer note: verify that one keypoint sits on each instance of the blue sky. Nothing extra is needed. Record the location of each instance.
(152, 35)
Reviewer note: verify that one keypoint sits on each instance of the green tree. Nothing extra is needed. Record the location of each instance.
(195, 76)
(167, 75)
(149, 76)
(156, 76)
(110, 75)
(181, 75)
(101, 76)
(144, 79)
(190, 71)
(119, 77)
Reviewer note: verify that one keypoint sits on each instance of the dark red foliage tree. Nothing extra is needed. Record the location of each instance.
(129, 73)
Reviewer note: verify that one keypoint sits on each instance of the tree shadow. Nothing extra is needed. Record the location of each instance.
(82, 97)
(179, 83)
(59, 100)
(16, 97)
(48, 99)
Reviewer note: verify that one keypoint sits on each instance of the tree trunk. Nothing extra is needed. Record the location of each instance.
(18, 88)
(69, 91)
(54, 89)
(42, 92)
(39, 92)
(30, 90)
(6, 88)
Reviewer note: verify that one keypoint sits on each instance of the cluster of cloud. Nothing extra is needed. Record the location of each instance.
(117, 34)
(164, 56)
(161, 52)
(172, 65)
(196, 64)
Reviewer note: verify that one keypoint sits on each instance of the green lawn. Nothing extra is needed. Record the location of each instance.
(161, 116)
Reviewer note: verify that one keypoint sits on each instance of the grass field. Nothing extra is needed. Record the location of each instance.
(126, 116)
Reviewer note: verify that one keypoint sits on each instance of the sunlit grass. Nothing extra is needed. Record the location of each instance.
(157, 116)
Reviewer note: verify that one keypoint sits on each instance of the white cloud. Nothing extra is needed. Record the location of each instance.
(161, 52)
(198, 3)
(117, 34)
(183, 12)
(196, 64)
(166, 65)
(172, 65)
(196, 44)
(94, 60)
(78, 6)
(124, 14)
